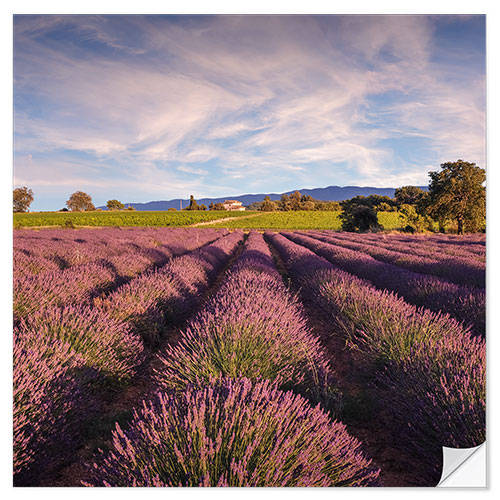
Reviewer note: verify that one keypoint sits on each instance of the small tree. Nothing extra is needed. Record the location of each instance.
(295, 201)
(202, 207)
(22, 198)
(457, 192)
(284, 203)
(255, 206)
(80, 202)
(130, 207)
(115, 205)
(193, 204)
(308, 205)
(219, 207)
(268, 205)
(359, 218)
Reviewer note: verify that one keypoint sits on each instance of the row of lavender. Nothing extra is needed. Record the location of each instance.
(461, 270)
(420, 245)
(38, 287)
(69, 248)
(234, 402)
(67, 356)
(466, 304)
(427, 371)
(123, 252)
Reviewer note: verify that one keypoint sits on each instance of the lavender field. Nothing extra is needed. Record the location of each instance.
(204, 357)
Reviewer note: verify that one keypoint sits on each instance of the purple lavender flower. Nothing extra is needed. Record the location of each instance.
(252, 327)
(232, 433)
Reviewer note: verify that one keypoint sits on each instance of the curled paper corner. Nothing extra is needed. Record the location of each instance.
(464, 467)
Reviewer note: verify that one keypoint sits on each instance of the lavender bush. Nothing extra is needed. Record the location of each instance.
(460, 270)
(233, 433)
(51, 399)
(104, 343)
(252, 327)
(60, 288)
(466, 304)
(444, 393)
(164, 295)
(427, 370)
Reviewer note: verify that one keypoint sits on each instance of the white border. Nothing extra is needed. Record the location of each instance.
(9, 7)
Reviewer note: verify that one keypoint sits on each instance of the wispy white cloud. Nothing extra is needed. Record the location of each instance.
(224, 103)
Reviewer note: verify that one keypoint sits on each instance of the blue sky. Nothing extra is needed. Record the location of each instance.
(144, 108)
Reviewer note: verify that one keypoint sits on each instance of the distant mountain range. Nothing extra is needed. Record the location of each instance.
(330, 193)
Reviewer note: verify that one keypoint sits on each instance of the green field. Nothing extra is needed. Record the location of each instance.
(302, 220)
(125, 218)
(241, 220)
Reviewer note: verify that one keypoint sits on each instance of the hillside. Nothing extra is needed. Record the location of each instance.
(330, 193)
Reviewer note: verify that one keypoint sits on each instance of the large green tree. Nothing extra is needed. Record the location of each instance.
(22, 198)
(80, 202)
(457, 192)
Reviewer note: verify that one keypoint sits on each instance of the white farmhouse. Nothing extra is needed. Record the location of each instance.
(233, 205)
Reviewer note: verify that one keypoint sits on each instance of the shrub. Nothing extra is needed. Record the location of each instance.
(437, 399)
(68, 224)
(359, 218)
(76, 285)
(252, 327)
(105, 344)
(232, 433)
(51, 400)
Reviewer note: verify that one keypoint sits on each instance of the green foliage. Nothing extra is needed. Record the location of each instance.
(80, 202)
(408, 195)
(268, 205)
(295, 201)
(359, 218)
(371, 201)
(217, 206)
(412, 221)
(284, 204)
(22, 199)
(115, 205)
(383, 207)
(328, 206)
(302, 220)
(456, 192)
(124, 218)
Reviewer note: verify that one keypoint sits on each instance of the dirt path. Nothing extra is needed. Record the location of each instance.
(120, 405)
(360, 416)
(216, 221)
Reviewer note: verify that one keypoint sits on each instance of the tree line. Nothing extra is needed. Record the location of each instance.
(456, 194)
(77, 202)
